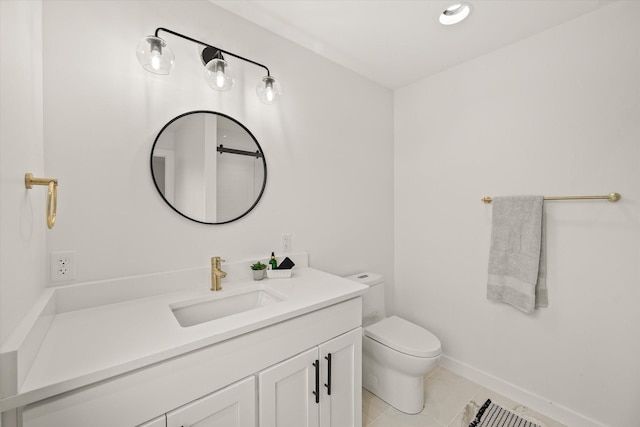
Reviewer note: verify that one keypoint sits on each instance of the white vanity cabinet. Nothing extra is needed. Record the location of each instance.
(319, 387)
(217, 385)
(286, 393)
(234, 406)
(343, 406)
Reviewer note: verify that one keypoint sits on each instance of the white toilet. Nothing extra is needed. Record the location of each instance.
(396, 354)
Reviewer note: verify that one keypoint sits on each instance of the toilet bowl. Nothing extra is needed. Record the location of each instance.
(396, 354)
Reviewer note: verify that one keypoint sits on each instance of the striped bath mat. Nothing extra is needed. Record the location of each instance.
(493, 415)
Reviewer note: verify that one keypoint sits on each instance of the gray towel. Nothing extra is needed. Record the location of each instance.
(517, 266)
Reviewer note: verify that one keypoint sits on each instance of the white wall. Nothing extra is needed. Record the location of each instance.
(328, 143)
(554, 114)
(22, 211)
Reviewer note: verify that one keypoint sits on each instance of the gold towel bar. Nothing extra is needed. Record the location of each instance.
(52, 194)
(612, 197)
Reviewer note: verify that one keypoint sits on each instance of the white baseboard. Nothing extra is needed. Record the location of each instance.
(520, 395)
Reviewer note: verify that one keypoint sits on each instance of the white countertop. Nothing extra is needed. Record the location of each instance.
(87, 345)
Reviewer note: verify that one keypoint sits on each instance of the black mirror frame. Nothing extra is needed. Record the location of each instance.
(264, 164)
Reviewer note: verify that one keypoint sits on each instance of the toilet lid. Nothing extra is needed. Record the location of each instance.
(405, 337)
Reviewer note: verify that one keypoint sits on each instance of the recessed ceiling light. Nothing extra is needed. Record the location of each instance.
(455, 13)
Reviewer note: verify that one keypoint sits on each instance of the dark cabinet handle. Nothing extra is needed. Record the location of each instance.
(328, 384)
(316, 364)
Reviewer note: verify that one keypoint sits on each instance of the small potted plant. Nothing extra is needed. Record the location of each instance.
(258, 270)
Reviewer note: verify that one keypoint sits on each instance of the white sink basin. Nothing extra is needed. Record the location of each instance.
(219, 305)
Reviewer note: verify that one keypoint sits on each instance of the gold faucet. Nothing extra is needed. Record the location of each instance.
(216, 273)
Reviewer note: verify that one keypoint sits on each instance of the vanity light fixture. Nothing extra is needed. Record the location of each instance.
(268, 90)
(218, 72)
(156, 57)
(455, 14)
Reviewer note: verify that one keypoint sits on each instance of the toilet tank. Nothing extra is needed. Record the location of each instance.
(373, 300)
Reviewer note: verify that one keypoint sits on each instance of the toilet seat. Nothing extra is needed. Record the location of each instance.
(405, 337)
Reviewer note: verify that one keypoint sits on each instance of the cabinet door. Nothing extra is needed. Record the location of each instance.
(287, 392)
(233, 406)
(341, 379)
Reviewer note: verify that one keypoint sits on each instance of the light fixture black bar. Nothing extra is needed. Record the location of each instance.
(213, 47)
(222, 149)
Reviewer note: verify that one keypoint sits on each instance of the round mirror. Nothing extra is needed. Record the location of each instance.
(208, 167)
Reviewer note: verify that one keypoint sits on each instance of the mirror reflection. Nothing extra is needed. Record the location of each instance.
(208, 167)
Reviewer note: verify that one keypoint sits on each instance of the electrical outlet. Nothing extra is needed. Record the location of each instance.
(286, 242)
(63, 266)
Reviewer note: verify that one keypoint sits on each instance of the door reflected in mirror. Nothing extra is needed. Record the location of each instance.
(208, 167)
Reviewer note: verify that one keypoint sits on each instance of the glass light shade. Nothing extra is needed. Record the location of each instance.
(269, 90)
(154, 55)
(455, 14)
(219, 74)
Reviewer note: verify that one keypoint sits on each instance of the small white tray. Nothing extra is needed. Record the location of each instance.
(279, 274)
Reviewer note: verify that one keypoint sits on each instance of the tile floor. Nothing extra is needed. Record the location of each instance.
(447, 404)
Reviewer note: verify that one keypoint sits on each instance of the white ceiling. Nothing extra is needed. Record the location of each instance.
(397, 42)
